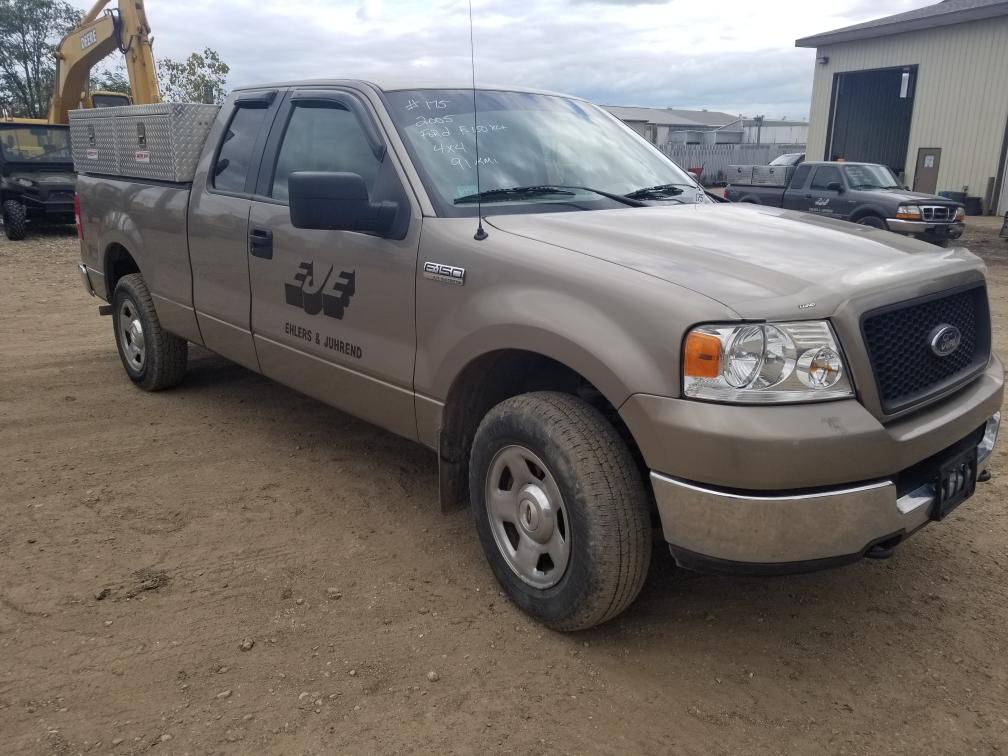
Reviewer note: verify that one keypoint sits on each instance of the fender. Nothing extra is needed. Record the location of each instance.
(870, 208)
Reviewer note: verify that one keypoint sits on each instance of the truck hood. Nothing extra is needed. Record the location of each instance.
(917, 198)
(759, 261)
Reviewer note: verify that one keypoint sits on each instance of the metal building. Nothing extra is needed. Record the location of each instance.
(924, 92)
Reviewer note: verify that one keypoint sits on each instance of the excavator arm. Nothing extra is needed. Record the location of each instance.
(96, 37)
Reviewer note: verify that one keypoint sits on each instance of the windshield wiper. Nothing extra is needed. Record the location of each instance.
(525, 192)
(662, 190)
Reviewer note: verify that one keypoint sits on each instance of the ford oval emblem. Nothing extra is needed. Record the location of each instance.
(945, 339)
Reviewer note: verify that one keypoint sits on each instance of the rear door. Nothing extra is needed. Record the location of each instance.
(795, 195)
(218, 228)
(333, 312)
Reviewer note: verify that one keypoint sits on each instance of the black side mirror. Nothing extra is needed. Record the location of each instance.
(835, 186)
(336, 202)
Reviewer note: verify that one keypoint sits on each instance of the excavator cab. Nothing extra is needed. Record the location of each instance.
(101, 99)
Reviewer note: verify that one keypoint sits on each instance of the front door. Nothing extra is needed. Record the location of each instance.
(926, 173)
(824, 198)
(333, 311)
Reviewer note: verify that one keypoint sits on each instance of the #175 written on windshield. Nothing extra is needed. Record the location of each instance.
(446, 132)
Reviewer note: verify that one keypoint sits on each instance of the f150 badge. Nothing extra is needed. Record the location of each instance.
(449, 274)
(321, 293)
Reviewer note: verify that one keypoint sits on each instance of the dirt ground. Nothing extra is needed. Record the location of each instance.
(147, 540)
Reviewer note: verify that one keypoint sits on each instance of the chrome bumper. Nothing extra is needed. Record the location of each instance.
(945, 230)
(85, 278)
(835, 524)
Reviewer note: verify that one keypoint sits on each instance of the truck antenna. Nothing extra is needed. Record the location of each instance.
(480, 233)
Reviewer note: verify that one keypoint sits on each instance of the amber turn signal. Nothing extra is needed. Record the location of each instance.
(702, 355)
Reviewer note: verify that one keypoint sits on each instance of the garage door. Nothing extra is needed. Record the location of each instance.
(870, 116)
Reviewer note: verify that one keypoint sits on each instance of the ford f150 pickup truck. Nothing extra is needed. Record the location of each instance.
(863, 193)
(592, 348)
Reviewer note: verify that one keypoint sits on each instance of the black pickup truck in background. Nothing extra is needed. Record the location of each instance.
(864, 193)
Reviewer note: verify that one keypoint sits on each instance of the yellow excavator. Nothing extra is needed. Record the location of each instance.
(96, 37)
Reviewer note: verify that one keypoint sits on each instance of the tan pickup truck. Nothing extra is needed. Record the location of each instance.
(596, 350)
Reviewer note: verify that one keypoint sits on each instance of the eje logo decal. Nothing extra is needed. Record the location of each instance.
(314, 294)
(822, 201)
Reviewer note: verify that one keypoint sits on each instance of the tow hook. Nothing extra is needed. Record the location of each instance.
(880, 552)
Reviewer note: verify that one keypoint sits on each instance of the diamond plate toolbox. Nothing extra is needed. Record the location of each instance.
(162, 142)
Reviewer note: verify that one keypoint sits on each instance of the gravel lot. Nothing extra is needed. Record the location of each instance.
(230, 567)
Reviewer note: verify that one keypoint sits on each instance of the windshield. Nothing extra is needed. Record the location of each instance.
(792, 158)
(871, 177)
(533, 142)
(37, 144)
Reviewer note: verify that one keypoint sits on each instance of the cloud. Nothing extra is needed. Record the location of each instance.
(736, 56)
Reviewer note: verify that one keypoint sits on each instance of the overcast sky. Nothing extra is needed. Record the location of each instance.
(730, 55)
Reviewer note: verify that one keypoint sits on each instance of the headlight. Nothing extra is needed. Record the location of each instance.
(908, 212)
(28, 183)
(764, 363)
(960, 215)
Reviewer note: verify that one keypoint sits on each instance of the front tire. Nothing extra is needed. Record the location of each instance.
(561, 509)
(153, 358)
(873, 221)
(15, 218)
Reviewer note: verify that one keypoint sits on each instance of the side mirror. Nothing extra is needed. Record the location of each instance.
(835, 186)
(336, 202)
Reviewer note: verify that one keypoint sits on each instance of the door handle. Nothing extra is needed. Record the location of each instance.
(808, 196)
(261, 243)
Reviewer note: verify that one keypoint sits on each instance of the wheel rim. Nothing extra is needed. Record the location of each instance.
(527, 517)
(131, 335)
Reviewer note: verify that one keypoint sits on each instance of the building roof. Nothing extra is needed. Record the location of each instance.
(673, 116)
(945, 13)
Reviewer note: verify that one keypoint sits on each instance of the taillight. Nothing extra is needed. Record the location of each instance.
(77, 220)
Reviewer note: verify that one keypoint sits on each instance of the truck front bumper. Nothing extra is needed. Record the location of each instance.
(923, 228)
(737, 532)
(787, 488)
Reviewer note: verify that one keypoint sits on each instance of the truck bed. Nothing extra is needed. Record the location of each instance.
(156, 223)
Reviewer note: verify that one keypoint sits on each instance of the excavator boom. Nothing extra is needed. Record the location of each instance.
(97, 36)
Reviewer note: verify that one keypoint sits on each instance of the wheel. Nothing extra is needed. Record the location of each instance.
(154, 359)
(15, 218)
(561, 509)
(872, 220)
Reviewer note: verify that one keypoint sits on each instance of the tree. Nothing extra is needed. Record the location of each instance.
(111, 80)
(193, 79)
(30, 30)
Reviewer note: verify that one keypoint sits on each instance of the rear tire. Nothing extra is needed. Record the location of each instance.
(872, 220)
(15, 219)
(153, 358)
(561, 509)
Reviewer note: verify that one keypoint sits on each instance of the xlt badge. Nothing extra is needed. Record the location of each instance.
(449, 274)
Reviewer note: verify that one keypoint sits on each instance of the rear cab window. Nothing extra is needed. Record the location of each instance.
(800, 176)
(235, 155)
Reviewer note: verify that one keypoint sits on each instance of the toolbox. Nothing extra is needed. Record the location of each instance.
(161, 142)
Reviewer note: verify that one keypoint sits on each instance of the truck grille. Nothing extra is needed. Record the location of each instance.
(937, 213)
(898, 338)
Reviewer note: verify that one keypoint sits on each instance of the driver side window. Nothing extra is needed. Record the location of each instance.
(323, 138)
